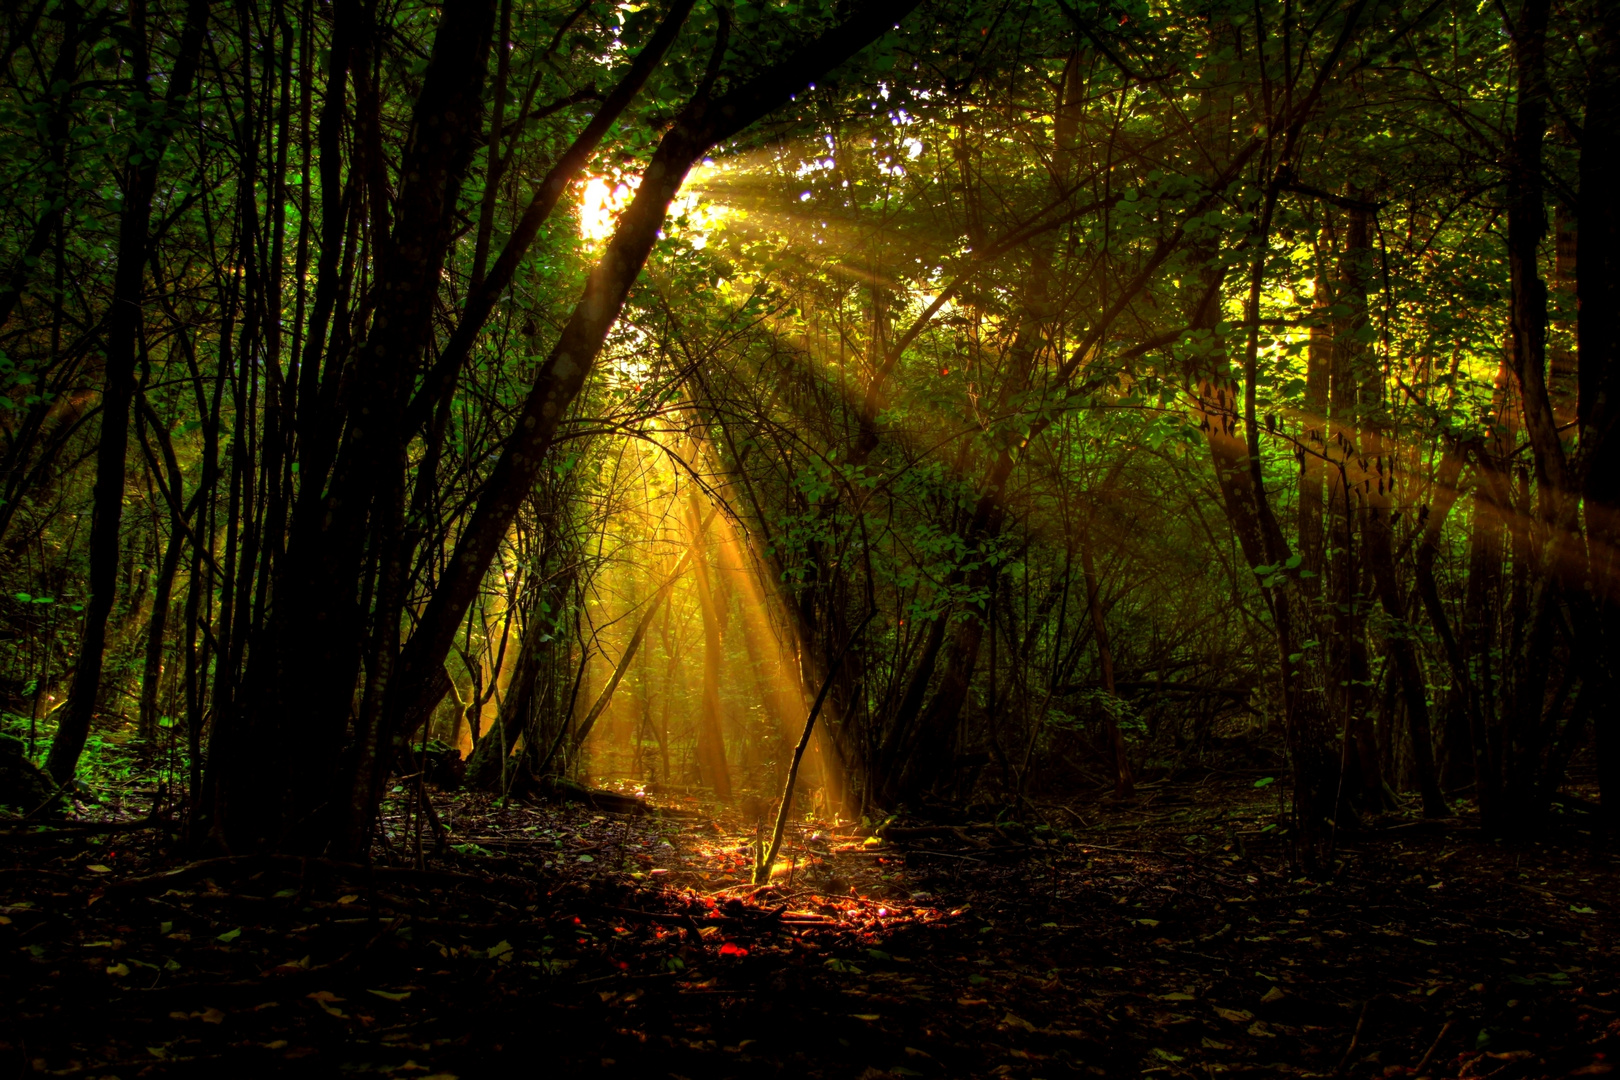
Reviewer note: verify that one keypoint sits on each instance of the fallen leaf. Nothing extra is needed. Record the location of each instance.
(387, 996)
(1237, 1016)
(212, 1016)
(230, 935)
(97, 868)
(867, 1016)
(1018, 1022)
(349, 898)
(1272, 996)
(499, 949)
(118, 970)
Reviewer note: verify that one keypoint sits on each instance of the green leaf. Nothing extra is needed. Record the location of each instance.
(1265, 781)
(230, 935)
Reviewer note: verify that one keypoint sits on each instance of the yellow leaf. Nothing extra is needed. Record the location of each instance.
(97, 868)
(1273, 995)
(323, 996)
(213, 1016)
(386, 996)
(867, 1016)
(1177, 997)
(349, 899)
(118, 970)
(1237, 1016)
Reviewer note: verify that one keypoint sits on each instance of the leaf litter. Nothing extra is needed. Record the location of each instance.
(918, 949)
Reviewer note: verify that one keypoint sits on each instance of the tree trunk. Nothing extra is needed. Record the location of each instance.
(301, 676)
(1124, 786)
(1598, 409)
(1318, 359)
(118, 382)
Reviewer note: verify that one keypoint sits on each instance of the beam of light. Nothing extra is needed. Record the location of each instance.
(654, 714)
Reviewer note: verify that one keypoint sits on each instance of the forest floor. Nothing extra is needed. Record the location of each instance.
(1165, 935)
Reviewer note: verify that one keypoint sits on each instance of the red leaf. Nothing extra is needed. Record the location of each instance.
(728, 949)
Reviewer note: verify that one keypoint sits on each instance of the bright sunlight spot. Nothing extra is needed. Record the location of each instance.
(601, 203)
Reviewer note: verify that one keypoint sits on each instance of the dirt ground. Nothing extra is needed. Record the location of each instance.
(1171, 935)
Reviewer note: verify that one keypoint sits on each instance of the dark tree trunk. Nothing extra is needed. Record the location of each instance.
(1124, 786)
(301, 676)
(1598, 410)
(118, 382)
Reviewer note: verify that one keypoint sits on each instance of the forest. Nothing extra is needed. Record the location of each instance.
(863, 538)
